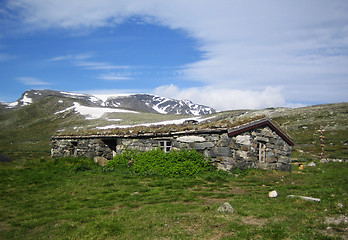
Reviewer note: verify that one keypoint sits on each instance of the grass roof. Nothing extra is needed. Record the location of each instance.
(160, 129)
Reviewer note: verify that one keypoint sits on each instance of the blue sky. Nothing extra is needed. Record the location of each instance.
(226, 54)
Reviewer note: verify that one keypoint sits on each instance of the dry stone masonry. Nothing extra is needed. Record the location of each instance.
(259, 144)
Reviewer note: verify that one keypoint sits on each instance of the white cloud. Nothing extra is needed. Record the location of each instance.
(31, 81)
(99, 65)
(76, 57)
(249, 48)
(84, 60)
(6, 57)
(114, 77)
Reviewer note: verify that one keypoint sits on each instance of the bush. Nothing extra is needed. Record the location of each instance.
(124, 159)
(156, 162)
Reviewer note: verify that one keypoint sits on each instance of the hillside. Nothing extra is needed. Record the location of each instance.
(27, 125)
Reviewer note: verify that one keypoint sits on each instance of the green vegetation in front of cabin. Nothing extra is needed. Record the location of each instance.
(74, 198)
(181, 163)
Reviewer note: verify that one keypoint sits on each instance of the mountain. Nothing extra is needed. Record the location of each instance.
(27, 125)
(156, 104)
(136, 102)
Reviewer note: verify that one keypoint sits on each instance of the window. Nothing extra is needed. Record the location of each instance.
(262, 152)
(165, 145)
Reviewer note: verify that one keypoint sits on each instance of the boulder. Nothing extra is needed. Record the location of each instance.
(4, 158)
(273, 194)
(101, 161)
(226, 208)
(311, 164)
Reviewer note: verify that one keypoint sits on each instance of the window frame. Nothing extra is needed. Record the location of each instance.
(262, 152)
(165, 145)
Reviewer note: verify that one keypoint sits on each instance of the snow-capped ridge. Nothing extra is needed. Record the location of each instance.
(136, 102)
(156, 104)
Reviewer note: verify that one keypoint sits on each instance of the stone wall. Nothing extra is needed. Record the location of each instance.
(257, 148)
(80, 147)
(227, 153)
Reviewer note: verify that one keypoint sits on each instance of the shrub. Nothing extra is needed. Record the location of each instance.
(156, 162)
(122, 159)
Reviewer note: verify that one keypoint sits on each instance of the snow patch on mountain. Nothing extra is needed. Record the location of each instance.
(23, 101)
(94, 99)
(159, 109)
(12, 105)
(26, 100)
(114, 119)
(74, 94)
(93, 112)
(177, 121)
(105, 97)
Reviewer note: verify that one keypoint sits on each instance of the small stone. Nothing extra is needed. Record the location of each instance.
(4, 158)
(101, 161)
(340, 205)
(273, 194)
(226, 208)
(312, 164)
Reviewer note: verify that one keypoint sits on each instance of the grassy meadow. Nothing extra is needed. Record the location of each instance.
(75, 199)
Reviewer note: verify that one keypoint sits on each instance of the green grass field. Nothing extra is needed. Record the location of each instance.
(75, 199)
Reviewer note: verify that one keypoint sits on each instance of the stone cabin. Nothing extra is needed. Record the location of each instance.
(257, 144)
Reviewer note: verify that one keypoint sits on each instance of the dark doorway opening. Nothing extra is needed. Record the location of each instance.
(111, 143)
